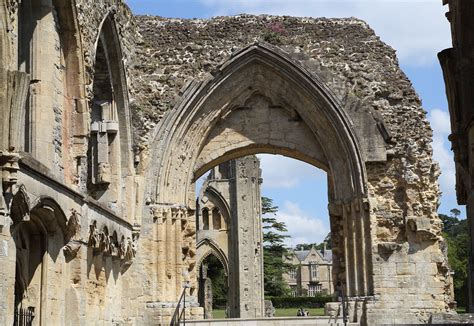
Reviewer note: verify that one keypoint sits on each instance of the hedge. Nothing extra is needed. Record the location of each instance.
(300, 302)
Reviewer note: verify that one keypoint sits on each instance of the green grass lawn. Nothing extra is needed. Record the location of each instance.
(291, 312)
(281, 312)
(218, 314)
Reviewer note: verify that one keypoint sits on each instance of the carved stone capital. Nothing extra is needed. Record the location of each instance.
(110, 243)
(71, 249)
(9, 167)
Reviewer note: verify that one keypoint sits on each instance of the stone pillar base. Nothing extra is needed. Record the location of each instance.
(355, 310)
(161, 313)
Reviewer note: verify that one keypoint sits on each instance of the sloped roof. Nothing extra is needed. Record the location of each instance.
(302, 254)
(325, 254)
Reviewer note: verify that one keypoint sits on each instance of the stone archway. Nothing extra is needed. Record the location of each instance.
(206, 286)
(109, 164)
(262, 101)
(39, 231)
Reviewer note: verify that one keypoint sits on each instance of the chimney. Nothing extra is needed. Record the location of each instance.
(324, 248)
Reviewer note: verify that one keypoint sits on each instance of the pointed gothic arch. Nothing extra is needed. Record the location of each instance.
(261, 101)
(110, 144)
(203, 105)
(38, 232)
(220, 202)
(210, 247)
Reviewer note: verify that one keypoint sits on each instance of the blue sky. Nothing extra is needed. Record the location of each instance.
(417, 29)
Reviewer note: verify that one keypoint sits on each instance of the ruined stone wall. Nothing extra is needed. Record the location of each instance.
(90, 15)
(363, 72)
(458, 68)
(410, 274)
(82, 272)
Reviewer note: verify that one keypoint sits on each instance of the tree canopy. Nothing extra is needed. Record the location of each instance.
(456, 233)
(274, 250)
(317, 246)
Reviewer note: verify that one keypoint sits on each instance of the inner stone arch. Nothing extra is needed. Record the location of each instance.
(259, 126)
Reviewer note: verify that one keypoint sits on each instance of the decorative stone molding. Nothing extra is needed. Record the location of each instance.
(113, 245)
(9, 167)
(73, 226)
(73, 229)
(12, 7)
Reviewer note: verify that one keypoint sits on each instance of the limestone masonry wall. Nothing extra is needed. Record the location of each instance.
(364, 74)
(113, 253)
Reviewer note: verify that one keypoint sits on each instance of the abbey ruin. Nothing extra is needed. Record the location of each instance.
(229, 226)
(108, 119)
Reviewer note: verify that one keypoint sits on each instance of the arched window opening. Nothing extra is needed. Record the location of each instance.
(109, 149)
(216, 219)
(29, 14)
(104, 126)
(213, 287)
(205, 219)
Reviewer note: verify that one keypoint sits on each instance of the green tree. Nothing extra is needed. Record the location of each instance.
(304, 246)
(274, 250)
(455, 212)
(456, 233)
(317, 246)
(215, 271)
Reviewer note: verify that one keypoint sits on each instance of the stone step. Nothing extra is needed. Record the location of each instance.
(276, 321)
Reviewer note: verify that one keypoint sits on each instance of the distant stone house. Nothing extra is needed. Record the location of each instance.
(311, 274)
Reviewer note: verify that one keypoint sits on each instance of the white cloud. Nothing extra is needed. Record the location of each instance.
(417, 29)
(440, 123)
(282, 172)
(303, 227)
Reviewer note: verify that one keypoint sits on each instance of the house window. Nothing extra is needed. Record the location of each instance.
(313, 270)
(314, 289)
(293, 290)
(292, 273)
(319, 288)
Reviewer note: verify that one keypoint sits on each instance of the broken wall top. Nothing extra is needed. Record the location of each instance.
(345, 53)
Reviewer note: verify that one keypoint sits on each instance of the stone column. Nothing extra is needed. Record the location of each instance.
(248, 226)
(13, 93)
(208, 298)
(470, 215)
(175, 262)
(351, 245)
